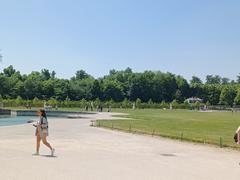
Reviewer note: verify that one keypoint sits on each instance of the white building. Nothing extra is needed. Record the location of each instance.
(194, 100)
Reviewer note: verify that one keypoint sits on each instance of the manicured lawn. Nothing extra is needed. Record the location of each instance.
(206, 127)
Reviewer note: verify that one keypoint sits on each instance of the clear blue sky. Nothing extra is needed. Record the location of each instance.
(187, 37)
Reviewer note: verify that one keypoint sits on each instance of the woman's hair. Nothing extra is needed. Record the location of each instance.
(43, 113)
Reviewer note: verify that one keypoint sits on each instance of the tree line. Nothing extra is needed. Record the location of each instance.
(117, 86)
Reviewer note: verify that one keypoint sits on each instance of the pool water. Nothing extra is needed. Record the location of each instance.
(15, 120)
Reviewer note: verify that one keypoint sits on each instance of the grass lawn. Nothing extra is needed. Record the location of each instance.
(208, 127)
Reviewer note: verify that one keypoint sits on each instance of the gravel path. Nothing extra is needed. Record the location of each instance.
(88, 153)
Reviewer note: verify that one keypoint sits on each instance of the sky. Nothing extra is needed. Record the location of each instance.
(187, 37)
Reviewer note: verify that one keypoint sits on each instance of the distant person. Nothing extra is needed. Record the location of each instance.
(42, 132)
(134, 106)
(110, 109)
(92, 106)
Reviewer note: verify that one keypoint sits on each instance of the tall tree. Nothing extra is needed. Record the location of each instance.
(195, 80)
(210, 79)
(9, 71)
(112, 91)
(182, 89)
(225, 80)
(228, 95)
(96, 90)
(53, 74)
(238, 78)
(81, 74)
(45, 74)
(237, 98)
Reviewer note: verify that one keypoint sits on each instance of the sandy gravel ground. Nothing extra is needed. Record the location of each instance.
(88, 153)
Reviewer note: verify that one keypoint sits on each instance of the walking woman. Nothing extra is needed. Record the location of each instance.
(42, 132)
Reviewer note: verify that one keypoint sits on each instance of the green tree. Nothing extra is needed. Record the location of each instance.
(46, 75)
(210, 79)
(150, 102)
(212, 93)
(37, 103)
(97, 102)
(53, 74)
(19, 101)
(48, 89)
(228, 95)
(138, 103)
(183, 89)
(112, 90)
(175, 104)
(195, 80)
(96, 90)
(9, 71)
(126, 103)
(197, 105)
(81, 74)
(61, 89)
(33, 86)
(67, 102)
(238, 78)
(53, 102)
(83, 103)
(225, 80)
(237, 98)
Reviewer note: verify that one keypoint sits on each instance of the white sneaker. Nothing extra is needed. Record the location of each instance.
(52, 152)
(36, 154)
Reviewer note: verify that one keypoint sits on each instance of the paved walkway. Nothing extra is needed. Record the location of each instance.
(88, 153)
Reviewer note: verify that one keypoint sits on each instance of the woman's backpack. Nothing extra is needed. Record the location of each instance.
(236, 137)
(44, 123)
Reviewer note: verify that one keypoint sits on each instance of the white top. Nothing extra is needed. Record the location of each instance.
(238, 130)
(43, 122)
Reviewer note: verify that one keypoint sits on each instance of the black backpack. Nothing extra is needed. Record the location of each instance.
(236, 137)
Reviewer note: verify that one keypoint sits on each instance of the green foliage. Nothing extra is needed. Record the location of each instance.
(175, 104)
(237, 98)
(210, 79)
(9, 71)
(138, 103)
(195, 80)
(197, 105)
(126, 103)
(164, 105)
(81, 74)
(228, 95)
(19, 101)
(53, 102)
(122, 87)
(97, 102)
(37, 102)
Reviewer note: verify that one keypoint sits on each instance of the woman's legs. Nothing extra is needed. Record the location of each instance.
(38, 143)
(44, 140)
